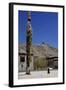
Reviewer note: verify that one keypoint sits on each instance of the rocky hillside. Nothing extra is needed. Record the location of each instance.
(42, 50)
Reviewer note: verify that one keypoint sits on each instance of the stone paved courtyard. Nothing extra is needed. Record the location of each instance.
(38, 74)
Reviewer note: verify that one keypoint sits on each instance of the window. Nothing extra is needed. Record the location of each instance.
(22, 59)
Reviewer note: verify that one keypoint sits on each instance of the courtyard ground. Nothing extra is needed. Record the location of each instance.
(38, 74)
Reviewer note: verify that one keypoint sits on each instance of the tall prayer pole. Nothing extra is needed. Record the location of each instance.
(28, 43)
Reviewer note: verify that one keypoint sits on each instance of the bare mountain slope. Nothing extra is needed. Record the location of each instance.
(43, 50)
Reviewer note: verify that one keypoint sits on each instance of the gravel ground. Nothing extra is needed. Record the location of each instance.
(38, 74)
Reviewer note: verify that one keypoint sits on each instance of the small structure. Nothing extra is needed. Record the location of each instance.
(52, 62)
(22, 61)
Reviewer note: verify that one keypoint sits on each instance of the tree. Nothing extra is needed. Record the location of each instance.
(40, 63)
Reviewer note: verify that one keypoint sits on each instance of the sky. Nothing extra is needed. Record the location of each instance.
(44, 27)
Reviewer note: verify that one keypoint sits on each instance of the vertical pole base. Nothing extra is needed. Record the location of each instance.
(27, 71)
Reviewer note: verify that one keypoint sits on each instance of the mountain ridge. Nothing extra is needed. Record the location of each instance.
(41, 50)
